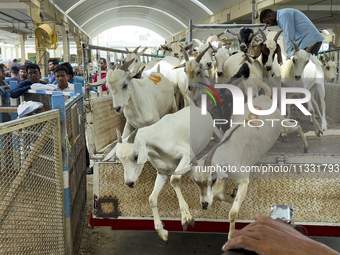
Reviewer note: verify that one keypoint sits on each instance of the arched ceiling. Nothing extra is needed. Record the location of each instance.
(165, 17)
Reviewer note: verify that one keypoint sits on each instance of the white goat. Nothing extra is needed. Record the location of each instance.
(137, 63)
(221, 56)
(143, 101)
(177, 77)
(329, 68)
(169, 145)
(304, 70)
(175, 50)
(241, 146)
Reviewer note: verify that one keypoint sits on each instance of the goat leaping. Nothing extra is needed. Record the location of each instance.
(240, 146)
(169, 154)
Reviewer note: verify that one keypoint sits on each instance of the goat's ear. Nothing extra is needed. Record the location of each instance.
(139, 74)
(189, 46)
(164, 47)
(258, 50)
(142, 152)
(332, 57)
(279, 55)
(111, 155)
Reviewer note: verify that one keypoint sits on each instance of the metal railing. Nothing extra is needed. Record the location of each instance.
(31, 186)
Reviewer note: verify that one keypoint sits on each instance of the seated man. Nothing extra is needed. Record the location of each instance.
(61, 76)
(34, 75)
(23, 73)
(14, 75)
(71, 77)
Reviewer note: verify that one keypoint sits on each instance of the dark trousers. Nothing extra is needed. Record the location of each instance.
(315, 48)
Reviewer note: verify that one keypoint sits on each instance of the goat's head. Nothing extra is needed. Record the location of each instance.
(269, 48)
(221, 56)
(330, 70)
(209, 182)
(206, 59)
(300, 59)
(194, 69)
(119, 83)
(133, 155)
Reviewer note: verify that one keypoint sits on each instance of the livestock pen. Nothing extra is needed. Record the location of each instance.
(43, 180)
(314, 194)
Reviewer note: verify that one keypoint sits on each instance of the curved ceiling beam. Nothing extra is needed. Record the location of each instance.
(198, 3)
(74, 6)
(130, 18)
(138, 6)
(202, 6)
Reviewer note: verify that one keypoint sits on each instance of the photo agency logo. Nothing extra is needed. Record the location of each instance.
(252, 110)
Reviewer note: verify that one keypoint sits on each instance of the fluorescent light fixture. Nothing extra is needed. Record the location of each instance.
(202, 6)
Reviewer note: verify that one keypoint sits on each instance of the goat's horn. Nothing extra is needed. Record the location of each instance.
(132, 136)
(263, 35)
(142, 52)
(310, 48)
(207, 161)
(218, 35)
(265, 27)
(185, 54)
(113, 67)
(295, 45)
(125, 67)
(136, 50)
(233, 33)
(238, 81)
(119, 136)
(199, 57)
(127, 50)
(98, 83)
(277, 35)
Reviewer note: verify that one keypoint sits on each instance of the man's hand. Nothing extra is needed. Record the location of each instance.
(266, 236)
(5, 87)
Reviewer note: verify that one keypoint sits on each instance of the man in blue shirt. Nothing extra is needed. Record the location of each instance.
(14, 75)
(34, 76)
(52, 64)
(298, 28)
(71, 77)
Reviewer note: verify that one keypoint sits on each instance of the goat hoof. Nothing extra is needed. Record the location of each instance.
(305, 149)
(233, 195)
(192, 223)
(164, 235)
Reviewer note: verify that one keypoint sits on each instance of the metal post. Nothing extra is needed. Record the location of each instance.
(85, 73)
(190, 31)
(58, 103)
(253, 13)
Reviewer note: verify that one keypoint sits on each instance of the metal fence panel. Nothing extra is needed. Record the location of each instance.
(31, 186)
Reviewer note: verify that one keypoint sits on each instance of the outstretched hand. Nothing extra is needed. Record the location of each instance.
(266, 236)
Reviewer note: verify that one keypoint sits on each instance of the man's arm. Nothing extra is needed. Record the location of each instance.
(266, 236)
(21, 88)
(286, 21)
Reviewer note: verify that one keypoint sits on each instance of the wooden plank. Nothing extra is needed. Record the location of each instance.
(8, 109)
